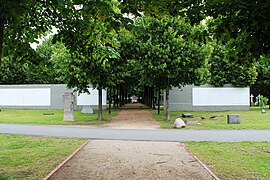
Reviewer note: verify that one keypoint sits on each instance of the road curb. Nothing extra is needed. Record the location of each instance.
(65, 161)
(201, 163)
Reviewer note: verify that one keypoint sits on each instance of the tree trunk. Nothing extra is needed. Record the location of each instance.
(117, 98)
(2, 21)
(110, 99)
(153, 99)
(123, 96)
(167, 104)
(114, 98)
(158, 100)
(148, 97)
(126, 96)
(100, 104)
(120, 96)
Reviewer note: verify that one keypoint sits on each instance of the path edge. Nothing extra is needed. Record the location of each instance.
(201, 163)
(65, 161)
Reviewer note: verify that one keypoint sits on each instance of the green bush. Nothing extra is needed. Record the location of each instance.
(263, 101)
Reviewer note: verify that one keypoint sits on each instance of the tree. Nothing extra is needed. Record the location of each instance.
(23, 21)
(169, 53)
(223, 71)
(242, 26)
(51, 64)
(47, 70)
(93, 49)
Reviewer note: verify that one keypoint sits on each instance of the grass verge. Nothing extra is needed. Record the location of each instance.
(234, 160)
(252, 119)
(30, 157)
(53, 117)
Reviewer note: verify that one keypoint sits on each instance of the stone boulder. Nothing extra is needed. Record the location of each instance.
(179, 123)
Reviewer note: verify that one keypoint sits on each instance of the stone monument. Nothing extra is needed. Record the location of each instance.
(69, 100)
(251, 99)
(233, 119)
(87, 110)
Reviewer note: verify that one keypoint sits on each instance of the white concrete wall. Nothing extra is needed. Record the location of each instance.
(47, 96)
(25, 97)
(92, 98)
(225, 96)
(209, 98)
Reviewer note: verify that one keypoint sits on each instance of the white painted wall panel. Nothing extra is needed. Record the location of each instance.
(25, 97)
(92, 98)
(220, 96)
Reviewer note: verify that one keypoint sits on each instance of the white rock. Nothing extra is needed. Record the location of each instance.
(179, 123)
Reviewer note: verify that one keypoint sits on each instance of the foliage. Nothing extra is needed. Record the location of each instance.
(24, 21)
(169, 53)
(242, 26)
(262, 85)
(90, 36)
(48, 71)
(11, 72)
(263, 101)
(224, 71)
(51, 67)
(234, 160)
(29, 157)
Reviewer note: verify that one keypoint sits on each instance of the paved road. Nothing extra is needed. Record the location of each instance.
(137, 134)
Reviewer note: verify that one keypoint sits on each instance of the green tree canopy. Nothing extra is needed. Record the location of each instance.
(262, 85)
(169, 52)
(224, 71)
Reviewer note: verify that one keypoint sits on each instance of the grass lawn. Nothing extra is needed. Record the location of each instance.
(252, 119)
(245, 160)
(22, 116)
(29, 157)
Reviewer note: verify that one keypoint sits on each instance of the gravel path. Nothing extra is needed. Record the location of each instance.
(107, 159)
(132, 117)
(114, 159)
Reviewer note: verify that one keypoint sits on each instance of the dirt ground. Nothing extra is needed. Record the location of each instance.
(132, 116)
(107, 159)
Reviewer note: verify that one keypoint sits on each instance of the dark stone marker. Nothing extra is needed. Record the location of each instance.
(233, 119)
(187, 115)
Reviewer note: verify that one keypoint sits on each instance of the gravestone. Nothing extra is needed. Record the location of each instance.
(233, 119)
(87, 110)
(179, 123)
(69, 100)
(251, 99)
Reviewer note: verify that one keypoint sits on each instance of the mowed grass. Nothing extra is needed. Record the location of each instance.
(252, 119)
(234, 160)
(23, 116)
(29, 157)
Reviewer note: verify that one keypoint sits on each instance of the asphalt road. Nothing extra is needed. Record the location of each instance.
(170, 135)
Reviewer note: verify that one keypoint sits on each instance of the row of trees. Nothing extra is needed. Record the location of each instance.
(160, 49)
